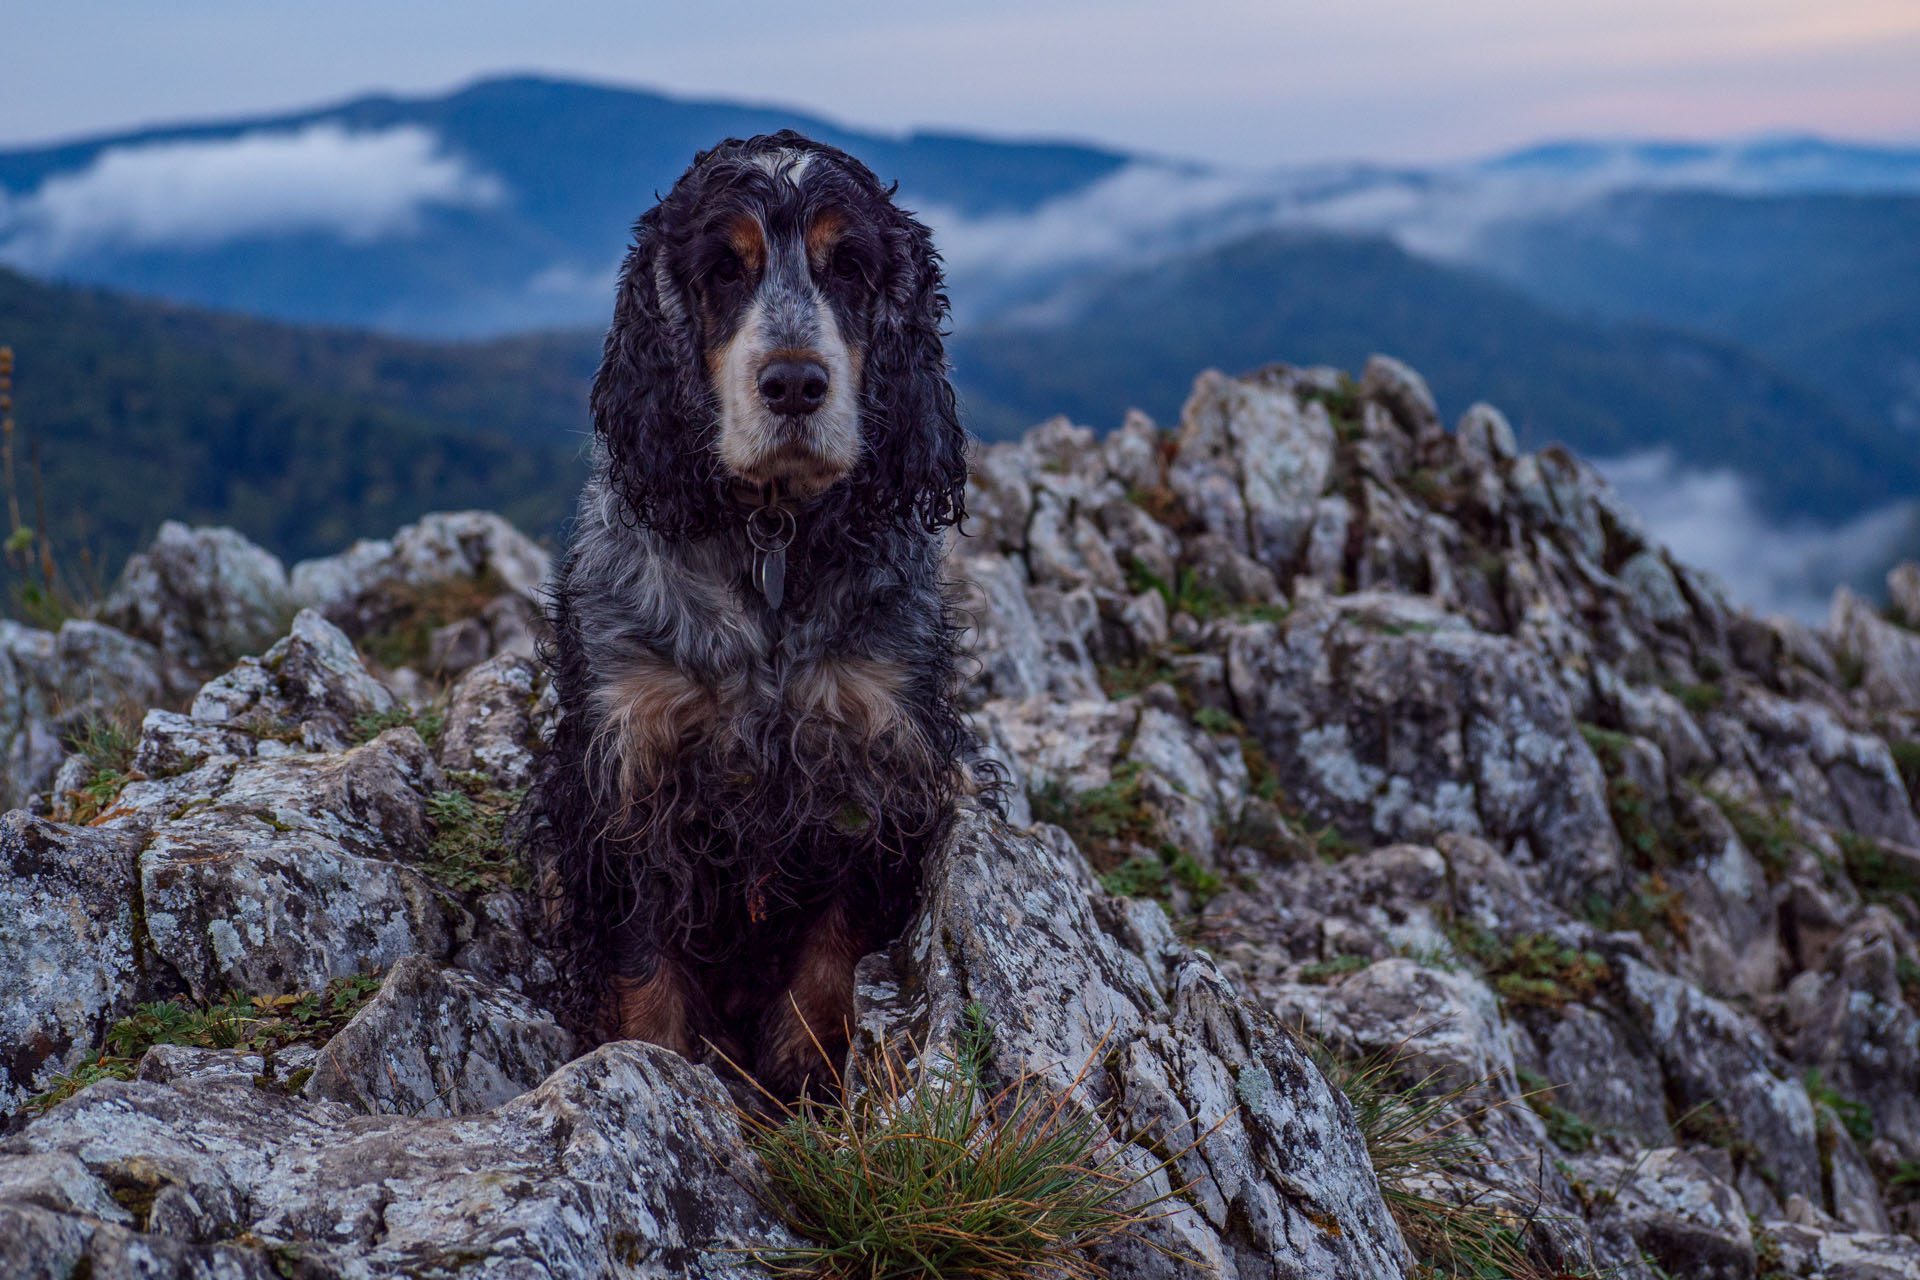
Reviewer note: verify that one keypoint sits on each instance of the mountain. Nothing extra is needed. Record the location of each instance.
(502, 207)
(1825, 285)
(1605, 389)
(301, 439)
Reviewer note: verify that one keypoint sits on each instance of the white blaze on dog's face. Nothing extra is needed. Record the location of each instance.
(783, 288)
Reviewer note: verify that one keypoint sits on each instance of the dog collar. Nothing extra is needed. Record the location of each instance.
(770, 528)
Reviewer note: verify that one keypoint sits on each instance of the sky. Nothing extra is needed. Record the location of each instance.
(1231, 81)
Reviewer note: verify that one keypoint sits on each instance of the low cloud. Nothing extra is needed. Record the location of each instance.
(360, 186)
(1709, 519)
(1152, 209)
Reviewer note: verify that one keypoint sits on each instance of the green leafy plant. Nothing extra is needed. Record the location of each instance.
(1533, 968)
(929, 1172)
(471, 849)
(1856, 1117)
(429, 723)
(260, 1024)
(1567, 1130)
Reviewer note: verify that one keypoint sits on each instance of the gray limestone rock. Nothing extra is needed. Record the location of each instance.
(202, 596)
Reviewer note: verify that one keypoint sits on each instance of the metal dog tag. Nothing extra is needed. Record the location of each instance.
(770, 529)
(772, 572)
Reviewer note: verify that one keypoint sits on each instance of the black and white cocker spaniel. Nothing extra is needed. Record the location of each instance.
(753, 646)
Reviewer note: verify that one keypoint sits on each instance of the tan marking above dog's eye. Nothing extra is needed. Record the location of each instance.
(823, 234)
(748, 242)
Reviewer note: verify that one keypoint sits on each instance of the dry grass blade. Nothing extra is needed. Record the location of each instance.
(928, 1173)
(1457, 1226)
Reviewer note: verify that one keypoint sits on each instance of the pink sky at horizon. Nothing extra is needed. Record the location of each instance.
(1236, 81)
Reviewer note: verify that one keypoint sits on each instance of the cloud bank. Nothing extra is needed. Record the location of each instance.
(1709, 519)
(360, 186)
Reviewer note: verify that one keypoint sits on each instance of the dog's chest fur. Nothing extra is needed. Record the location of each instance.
(702, 696)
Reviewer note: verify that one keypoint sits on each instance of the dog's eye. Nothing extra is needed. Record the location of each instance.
(848, 267)
(727, 270)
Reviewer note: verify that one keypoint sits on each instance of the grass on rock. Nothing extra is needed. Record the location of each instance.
(108, 746)
(258, 1024)
(929, 1173)
(472, 851)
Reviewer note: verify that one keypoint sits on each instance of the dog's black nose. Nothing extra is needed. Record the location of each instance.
(794, 387)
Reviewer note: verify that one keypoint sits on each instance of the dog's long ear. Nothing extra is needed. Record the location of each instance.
(650, 411)
(918, 447)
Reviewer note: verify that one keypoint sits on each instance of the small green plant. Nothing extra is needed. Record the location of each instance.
(1214, 720)
(930, 1173)
(1185, 594)
(1768, 834)
(1102, 816)
(1649, 842)
(108, 746)
(1567, 1130)
(260, 1024)
(1906, 758)
(471, 849)
(1124, 679)
(1533, 968)
(1342, 404)
(428, 723)
(1698, 698)
(1877, 874)
(1336, 967)
(1856, 1117)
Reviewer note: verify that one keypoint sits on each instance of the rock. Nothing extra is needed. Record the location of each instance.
(1903, 594)
(1067, 978)
(310, 688)
(1888, 655)
(359, 587)
(489, 722)
(68, 923)
(1677, 1212)
(626, 1161)
(438, 1042)
(1403, 392)
(1394, 720)
(202, 596)
(55, 684)
(1721, 1070)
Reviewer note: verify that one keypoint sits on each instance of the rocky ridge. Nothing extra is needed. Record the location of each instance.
(1338, 737)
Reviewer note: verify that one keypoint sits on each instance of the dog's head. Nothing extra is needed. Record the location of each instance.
(778, 324)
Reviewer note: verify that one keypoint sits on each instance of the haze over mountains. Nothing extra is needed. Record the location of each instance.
(1739, 324)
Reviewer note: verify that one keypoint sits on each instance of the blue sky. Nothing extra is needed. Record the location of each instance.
(1230, 80)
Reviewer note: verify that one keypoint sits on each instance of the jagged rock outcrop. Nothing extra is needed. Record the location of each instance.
(1349, 740)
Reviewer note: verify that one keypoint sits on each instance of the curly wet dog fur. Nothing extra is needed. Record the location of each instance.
(739, 796)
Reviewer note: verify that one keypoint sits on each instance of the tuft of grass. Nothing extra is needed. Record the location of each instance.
(471, 850)
(429, 723)
(930, 1173)
(259, 1024)
(1768, 834)
(1423, 1155)
(108, 746)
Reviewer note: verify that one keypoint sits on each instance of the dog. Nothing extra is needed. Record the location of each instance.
(752, 643)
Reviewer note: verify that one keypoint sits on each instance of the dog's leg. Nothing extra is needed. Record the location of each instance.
(803, 1036)
(651, 1008)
